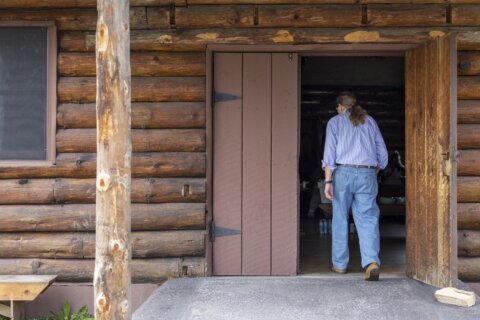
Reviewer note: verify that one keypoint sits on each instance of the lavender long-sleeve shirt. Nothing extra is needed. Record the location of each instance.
(358, 145)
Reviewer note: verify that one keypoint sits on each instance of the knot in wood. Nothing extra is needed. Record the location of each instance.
(465, 65)
(103, 181)
(126, 88)
(102, 36)
(102, 303)
(117, 245)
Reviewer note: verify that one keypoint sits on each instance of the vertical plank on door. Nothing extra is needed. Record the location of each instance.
(431, 160)
(410, 124)
(284, 163)
(256, 216)
(420, 165)
(227, 162)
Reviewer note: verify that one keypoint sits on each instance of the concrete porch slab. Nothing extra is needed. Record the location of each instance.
(303, 297)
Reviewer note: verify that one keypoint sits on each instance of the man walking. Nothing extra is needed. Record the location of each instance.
(354, 153)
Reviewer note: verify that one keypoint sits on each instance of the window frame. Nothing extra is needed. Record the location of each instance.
(51, 125)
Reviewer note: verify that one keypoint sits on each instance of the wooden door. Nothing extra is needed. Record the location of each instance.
(255, 161)
(430, 161)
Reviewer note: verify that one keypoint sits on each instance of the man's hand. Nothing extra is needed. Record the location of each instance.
(329, 191)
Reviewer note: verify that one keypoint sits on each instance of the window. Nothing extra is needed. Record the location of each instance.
(27, 93)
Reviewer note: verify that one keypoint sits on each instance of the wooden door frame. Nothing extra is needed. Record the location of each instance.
(349, 49)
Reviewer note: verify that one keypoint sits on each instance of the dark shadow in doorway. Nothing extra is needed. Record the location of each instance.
(379, 85)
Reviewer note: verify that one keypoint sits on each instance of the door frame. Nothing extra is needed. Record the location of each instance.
(348, 49)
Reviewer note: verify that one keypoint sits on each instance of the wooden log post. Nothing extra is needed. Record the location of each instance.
(114, 151)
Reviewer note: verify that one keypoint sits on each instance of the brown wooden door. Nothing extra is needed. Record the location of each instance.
(255, 160)
(431, 172)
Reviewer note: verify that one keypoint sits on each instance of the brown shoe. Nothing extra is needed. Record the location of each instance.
(341, 271)
(373, 272)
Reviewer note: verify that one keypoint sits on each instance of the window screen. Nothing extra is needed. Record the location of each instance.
(23, 93)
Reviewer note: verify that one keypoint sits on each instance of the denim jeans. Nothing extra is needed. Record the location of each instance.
(356, 188)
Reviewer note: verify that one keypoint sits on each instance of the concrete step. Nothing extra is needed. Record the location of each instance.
(305, 298)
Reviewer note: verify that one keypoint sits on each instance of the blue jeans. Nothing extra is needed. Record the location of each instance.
(356, 188)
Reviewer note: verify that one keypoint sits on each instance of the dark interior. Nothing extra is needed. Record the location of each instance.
(379, 84)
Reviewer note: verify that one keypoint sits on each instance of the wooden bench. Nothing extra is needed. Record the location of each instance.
(18, 289)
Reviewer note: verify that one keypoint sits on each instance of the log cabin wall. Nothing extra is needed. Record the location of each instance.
(47, 213)
(469, 163)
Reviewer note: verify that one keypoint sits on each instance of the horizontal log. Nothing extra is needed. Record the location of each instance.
(81, 217)
(468, 136)
(468, 111)
(469, 163)
(143, 64)
(407, 15)
(151, 140)
(43, 245)
(156, 244)
(468, 216)
(468, 63)
(51, 191)
(468, 189)
(197, 39)
(206, 17)
(468, 40)
(79, 3)
(468, 87)
(25, 191)
(83, 165)
(82, 41)
(74, 19)
(314, 1)
(81, 270)
(310, 16)
(415, 1)
(75, 245)
(143, 190)
(469, 269)
(468, 243)
(148, 89)
(466, 15)
(191, 2)
(145, 115)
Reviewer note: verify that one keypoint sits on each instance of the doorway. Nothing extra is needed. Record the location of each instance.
(379, 84)
(253, 147)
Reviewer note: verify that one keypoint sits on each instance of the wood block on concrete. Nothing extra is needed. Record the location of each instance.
(455, 296)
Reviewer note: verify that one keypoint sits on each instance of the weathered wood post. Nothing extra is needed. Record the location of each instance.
(112, 258)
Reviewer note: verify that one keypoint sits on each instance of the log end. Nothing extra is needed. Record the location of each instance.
(362, 36)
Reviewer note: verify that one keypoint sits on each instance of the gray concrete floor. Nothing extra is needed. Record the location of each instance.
(301, 297)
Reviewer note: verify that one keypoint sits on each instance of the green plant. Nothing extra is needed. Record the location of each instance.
(65, 313)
